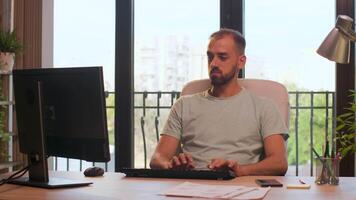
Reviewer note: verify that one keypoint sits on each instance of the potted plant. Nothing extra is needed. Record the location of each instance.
(9, 47)
(346, 129)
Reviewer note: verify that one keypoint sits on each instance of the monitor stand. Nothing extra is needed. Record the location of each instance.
(53, 182)
(37, 159)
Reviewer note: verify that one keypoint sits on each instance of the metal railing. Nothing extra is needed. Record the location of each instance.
(319, 108)
(311, 124)
(311, 115)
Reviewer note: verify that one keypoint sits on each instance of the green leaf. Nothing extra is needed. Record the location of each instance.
(9, 42)
(341, 126)
(344, 151)
(345, 115)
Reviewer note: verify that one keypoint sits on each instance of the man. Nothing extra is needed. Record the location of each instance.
(225, 127)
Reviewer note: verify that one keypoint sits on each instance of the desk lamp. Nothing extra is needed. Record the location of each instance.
(336, 46)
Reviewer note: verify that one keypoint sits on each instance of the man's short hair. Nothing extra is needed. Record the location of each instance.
(238, 38)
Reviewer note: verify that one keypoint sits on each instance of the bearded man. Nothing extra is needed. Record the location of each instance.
(226, 126)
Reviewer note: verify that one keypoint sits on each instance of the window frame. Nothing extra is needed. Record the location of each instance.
(345, 81)
(231, 16)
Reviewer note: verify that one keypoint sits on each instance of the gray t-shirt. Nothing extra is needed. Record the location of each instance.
(231, 128)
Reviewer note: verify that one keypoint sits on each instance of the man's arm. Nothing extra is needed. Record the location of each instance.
(165, 157)
(275, 162)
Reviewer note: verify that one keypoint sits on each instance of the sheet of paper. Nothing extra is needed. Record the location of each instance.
(259, 193)
(188, 189)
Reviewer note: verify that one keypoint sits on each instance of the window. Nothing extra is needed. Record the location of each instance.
(281, 46)
(84, 35)
(170, 50)
(282, 42)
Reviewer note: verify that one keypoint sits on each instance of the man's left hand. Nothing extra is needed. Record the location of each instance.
(222, 164)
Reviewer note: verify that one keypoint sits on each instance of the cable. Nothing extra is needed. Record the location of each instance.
(12, 176)
(15, 175)
(19, 173)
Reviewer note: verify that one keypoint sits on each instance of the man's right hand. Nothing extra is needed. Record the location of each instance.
(165, 156)
(182, 161)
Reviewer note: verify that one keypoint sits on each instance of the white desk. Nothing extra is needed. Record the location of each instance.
(116, 186)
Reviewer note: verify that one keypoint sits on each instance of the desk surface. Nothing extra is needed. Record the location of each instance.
(116, 186)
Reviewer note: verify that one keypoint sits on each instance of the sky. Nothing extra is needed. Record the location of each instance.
(282, 35)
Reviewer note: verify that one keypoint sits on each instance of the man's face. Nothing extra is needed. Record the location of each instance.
(224, 61)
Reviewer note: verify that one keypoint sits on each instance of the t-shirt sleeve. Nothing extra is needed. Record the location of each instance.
(272, 121)
(173, 125)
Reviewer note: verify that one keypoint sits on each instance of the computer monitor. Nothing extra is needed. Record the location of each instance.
(60, 112)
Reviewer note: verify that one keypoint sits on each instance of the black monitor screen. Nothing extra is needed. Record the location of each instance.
(67, 107)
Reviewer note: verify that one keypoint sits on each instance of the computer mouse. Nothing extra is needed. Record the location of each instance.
(94, 171)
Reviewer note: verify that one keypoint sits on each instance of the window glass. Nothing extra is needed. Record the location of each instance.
(170, 50)
(84, 35)
(282, 39)
(282, 42)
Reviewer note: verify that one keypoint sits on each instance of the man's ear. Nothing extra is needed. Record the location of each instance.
(241, 62)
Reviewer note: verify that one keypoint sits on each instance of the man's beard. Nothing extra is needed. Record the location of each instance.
(223, 79)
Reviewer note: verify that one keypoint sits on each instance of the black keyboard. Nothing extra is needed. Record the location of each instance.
(175, 173)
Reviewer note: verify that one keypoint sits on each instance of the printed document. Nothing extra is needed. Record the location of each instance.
(188, 189)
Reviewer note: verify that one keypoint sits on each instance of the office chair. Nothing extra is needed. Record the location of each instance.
(265, 88)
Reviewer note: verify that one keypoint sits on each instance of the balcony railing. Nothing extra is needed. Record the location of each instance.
(311, 124)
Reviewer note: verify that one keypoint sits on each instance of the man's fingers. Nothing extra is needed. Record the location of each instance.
(189, 157)
(190, 166)
(169, 165)
(216, 163)
(190, 161)
(182, 158)
(231, 164)
(175, 161)
(222, 164)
